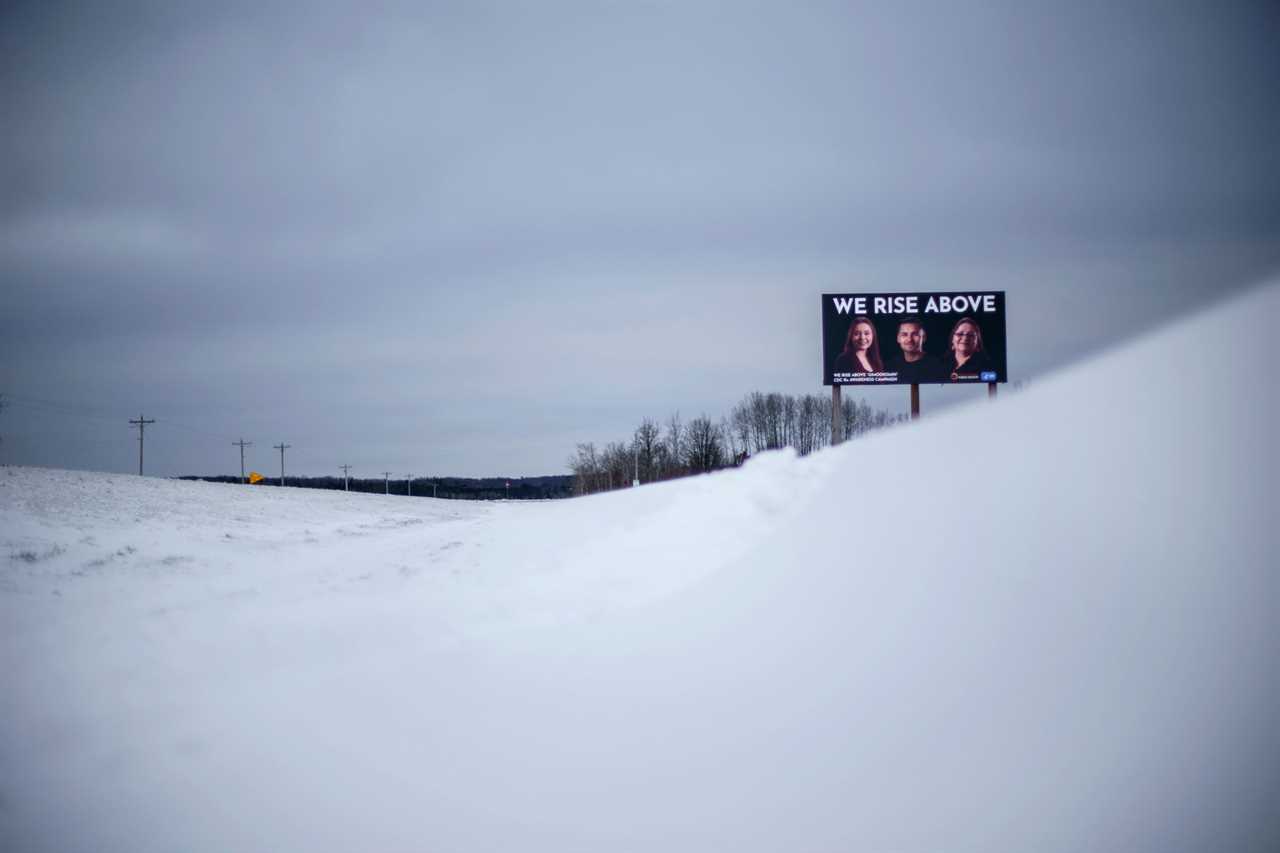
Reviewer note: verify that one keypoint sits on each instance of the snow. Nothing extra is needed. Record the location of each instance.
(1046, 623)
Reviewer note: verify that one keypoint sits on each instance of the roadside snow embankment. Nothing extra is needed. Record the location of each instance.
(1045, 624)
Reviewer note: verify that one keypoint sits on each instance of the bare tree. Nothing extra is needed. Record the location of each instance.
(740, 420)
(663, 464)
(758, 422)
(763, 430)
(848, 417)
(809, 424)
(730, 440)
(648, 439)
(789, 411)
(616, 461)
(704, 445)
(585, 465)
(773, 421)
(675, 441)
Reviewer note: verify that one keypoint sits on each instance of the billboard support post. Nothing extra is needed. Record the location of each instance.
(991, 390)
(915, 400)
(835, 415)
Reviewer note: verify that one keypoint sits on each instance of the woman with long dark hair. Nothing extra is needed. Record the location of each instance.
(861, 349)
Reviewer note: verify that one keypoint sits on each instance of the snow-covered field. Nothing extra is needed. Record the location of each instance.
(1045, 624)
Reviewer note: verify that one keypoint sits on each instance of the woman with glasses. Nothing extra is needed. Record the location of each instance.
(967, 358)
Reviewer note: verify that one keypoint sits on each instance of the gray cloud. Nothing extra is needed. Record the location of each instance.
(470, 226)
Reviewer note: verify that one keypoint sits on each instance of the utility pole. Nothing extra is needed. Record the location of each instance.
(635, 445)
(282, 447)
(242, 444)
(345, 478)
(409, 478)
(433, 488)
(141, 424)
(387, 476)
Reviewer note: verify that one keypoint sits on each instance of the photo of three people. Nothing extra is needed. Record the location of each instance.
(910, 349)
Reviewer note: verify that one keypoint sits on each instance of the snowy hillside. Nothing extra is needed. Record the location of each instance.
(1044, 624)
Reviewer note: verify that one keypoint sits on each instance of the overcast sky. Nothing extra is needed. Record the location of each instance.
(458, 238)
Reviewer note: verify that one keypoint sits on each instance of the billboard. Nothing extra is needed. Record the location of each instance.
(913, 338)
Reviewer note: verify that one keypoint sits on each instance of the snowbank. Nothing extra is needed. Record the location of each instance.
(1043, 624)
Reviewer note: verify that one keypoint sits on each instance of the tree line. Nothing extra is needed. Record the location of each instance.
(758, 422)
(451, 488)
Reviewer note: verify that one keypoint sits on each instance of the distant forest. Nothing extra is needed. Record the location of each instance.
(451, 488)
(758, 422)
(656, 451)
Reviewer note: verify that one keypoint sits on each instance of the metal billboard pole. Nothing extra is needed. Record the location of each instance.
(836, 436)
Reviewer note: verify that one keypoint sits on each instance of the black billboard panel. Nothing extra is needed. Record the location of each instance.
(913, 338)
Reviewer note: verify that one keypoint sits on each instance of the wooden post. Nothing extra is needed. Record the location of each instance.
(915, 400)
(991, 390)
(835, 416)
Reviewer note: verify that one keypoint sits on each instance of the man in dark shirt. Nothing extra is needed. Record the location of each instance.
(913, 364)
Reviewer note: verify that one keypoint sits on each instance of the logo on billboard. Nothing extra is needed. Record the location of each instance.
(988, 376)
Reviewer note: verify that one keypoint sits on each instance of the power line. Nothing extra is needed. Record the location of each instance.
(196, 430)
(64, 408)
(91, 413)
(282, 447)
(242, 444)
(141, 424)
